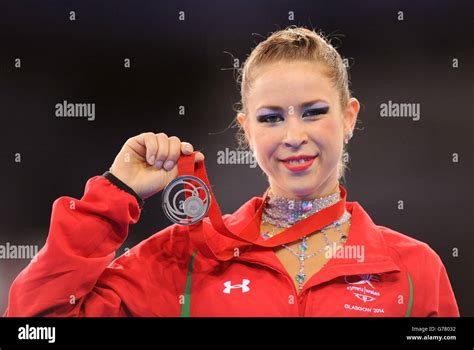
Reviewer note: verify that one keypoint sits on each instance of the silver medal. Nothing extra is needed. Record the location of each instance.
(186, 200)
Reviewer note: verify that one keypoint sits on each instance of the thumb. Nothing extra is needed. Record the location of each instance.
(199, 157)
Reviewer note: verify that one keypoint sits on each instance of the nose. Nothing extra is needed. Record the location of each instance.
(295, 134)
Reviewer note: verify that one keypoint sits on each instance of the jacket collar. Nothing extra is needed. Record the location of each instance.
(363, 235)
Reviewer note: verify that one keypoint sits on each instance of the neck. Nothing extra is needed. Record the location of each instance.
(273, 193)
(284, 212)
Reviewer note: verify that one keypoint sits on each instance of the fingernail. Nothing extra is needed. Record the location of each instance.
(168, 164)
(187, 147)
(159, 164)
(151, 160)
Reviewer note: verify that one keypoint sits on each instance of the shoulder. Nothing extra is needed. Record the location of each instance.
(433, 294)
(415, 255)
(405, 250)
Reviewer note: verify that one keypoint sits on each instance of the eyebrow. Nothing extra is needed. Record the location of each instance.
(303, 105)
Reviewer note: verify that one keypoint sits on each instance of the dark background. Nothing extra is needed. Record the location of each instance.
(185, 63)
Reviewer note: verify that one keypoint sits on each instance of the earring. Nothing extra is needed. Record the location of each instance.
(348, 137)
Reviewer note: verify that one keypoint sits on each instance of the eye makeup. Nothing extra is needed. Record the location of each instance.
(317, 109)
(268, 115)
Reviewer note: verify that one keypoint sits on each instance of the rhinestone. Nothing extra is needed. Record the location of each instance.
(266, 236)
(300, 277)
(292, 218)
(303, 246)
(307, 205)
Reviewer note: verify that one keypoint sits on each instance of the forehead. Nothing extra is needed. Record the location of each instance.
(289, 83)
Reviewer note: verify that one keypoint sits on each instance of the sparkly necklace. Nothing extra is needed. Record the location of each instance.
(282, 212)
(303, 247)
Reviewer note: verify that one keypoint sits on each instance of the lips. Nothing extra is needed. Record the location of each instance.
(299, 157)
(298, 163)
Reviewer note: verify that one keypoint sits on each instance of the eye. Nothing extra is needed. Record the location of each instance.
(316, 111)
(269, 118)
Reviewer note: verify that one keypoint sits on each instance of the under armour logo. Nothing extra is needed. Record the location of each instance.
(228, 286)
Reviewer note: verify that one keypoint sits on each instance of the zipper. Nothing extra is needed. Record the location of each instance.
(287, 277)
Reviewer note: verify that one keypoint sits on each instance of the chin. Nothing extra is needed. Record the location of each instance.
(301, 191)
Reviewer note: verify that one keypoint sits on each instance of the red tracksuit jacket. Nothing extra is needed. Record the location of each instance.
(75, 273)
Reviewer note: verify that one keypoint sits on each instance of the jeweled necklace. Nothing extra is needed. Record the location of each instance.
(283, 213)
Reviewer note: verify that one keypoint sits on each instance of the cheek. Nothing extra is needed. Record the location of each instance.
(265, 144)
(263, 140)
(328, 134)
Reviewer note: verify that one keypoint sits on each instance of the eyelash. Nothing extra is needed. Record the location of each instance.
(318, 111)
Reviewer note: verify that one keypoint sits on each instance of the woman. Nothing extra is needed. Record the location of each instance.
(297, 117)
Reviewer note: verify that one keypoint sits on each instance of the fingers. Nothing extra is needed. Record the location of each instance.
(199, 157)
(177, 147)
(173, 154)
(163, 151)
(187, 148)
(149, 144)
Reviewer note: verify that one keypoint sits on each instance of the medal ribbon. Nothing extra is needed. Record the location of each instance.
(224, 249)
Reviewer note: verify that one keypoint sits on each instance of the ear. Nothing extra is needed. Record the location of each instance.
(350, 115)
(243, 121)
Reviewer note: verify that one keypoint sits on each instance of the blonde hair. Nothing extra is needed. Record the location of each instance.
(293, 43)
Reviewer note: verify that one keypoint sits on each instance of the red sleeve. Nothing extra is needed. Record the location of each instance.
(447, 306)
(65, 277)
(433, 295)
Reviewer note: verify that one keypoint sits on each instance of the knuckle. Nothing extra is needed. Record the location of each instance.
(145, 135)
(175, 139)
(162, 134)
(174, 155)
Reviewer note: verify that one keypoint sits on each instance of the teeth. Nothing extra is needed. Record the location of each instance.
(299, 161)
